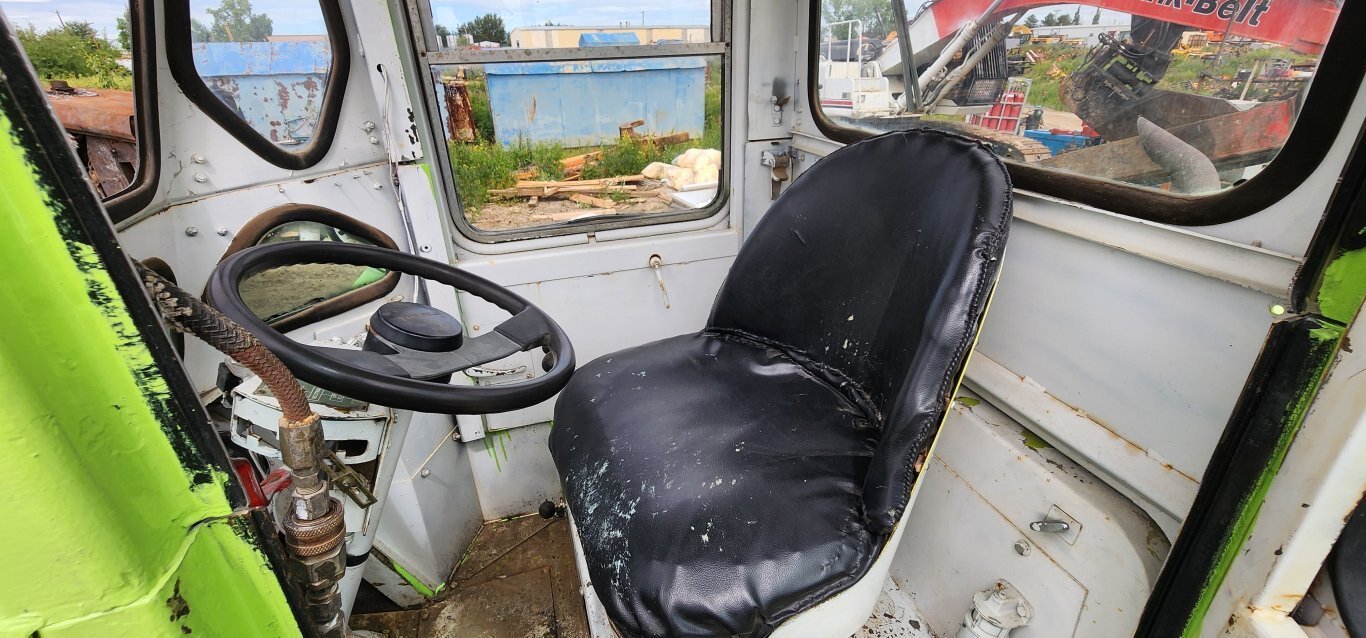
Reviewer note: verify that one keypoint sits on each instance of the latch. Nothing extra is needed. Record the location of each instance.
(778, 103)
(778, 163)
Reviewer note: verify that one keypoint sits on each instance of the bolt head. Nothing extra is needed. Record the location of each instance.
(426, 472)
(191, 231)
(223, 231)
(198, 159)
(201, 178)
(1022, 547)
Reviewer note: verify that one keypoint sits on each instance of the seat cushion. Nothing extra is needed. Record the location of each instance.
(716, 484)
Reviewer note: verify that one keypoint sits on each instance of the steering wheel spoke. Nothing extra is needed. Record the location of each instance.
(411, 349)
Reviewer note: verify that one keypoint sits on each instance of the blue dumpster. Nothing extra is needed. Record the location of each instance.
(277, 87)
(585, 103)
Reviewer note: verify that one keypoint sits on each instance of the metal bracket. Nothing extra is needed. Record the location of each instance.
(352, 484)
(778, 163)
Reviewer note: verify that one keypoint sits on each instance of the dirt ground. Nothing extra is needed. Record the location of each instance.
(288, 287)
(517, 212)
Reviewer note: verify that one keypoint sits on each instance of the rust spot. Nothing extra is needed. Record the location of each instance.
(179, 608)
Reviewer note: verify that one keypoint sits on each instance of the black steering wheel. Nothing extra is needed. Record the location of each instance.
(410, 350)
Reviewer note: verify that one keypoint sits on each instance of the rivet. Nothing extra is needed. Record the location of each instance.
(474, 327)
(376, 186)
(191, 231)
(425, 472)
(367, 126)
(201, 178)
(198, 159)
(396, 298)
(374, 140)
(426, 248)
(1277, 310)
(223, 231)
(1022, 547)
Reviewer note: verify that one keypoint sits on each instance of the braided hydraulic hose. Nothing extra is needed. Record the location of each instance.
(188, 314)
(314, 528)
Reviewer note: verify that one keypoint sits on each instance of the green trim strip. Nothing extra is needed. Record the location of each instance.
(1326, 339)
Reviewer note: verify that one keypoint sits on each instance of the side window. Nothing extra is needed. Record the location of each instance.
(1188, 97)
(613, 116)
(85, 57)
(271, 72)
(295, 295)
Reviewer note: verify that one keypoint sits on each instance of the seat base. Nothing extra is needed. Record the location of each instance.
(717, 485)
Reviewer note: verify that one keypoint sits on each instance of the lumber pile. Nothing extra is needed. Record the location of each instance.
(542, 189)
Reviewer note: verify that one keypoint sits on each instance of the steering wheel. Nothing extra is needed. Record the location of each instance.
(410, 350)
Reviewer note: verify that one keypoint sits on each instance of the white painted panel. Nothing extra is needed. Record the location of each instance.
(957, 545)
(513, 471)
(1155, 353)
(604, 313)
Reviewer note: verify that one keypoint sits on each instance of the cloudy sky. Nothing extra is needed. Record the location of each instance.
(288, 16)
(303, 17)
(526, 13)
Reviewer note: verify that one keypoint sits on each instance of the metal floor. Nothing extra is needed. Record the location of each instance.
(516, 581)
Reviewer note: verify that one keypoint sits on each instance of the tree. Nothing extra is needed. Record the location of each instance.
(876, 16)
(487, 28)
(1050, 20)
(125, 35)
(72, 51)
(1032, 21)
(1076, 17)
(1096, 18)
(233, 21)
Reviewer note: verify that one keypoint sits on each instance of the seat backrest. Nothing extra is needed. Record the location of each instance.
(876, 266)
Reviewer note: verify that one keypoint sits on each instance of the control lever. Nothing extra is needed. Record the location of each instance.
(350, 483)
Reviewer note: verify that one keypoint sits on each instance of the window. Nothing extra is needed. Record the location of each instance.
(295, 295)
(271, 72)
(1186, 97)
(87, 57)
(563, 117)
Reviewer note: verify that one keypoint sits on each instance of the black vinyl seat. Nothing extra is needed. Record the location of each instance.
(726, 481)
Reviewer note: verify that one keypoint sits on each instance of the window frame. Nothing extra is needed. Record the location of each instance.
(422, 31)
(180, 59)
(1325, 104)
(132, 200)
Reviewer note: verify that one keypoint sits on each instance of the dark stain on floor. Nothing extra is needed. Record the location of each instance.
(516, 580)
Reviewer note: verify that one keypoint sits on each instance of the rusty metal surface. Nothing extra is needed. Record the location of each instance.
(105, 113)
(460, 124)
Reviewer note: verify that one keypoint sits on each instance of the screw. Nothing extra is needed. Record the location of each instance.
(1022, 547)
(201, 178)
(425, 472)
(426, 248)
(367, 126)
(474, 327)
(376, 186)
(198, 159)
(222, 231)
(191, 231)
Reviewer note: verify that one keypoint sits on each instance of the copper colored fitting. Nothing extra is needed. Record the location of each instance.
(318, 536)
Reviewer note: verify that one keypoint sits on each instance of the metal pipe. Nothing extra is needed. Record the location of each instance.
(911, 98)
(998, 35)
(1190, 170)
(956, 45)
(315, 527)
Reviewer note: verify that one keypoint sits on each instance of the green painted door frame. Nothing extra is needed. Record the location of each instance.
(120, 517)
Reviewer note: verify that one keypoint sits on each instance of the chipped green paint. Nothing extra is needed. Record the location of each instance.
(413, 581)
(967, 402)
(1326, 339)
(103, 518)
(1344, 286)
(1034, 442)
(495, 442)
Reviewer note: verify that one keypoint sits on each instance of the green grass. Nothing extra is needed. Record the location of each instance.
(489, 165)
(120, 81)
